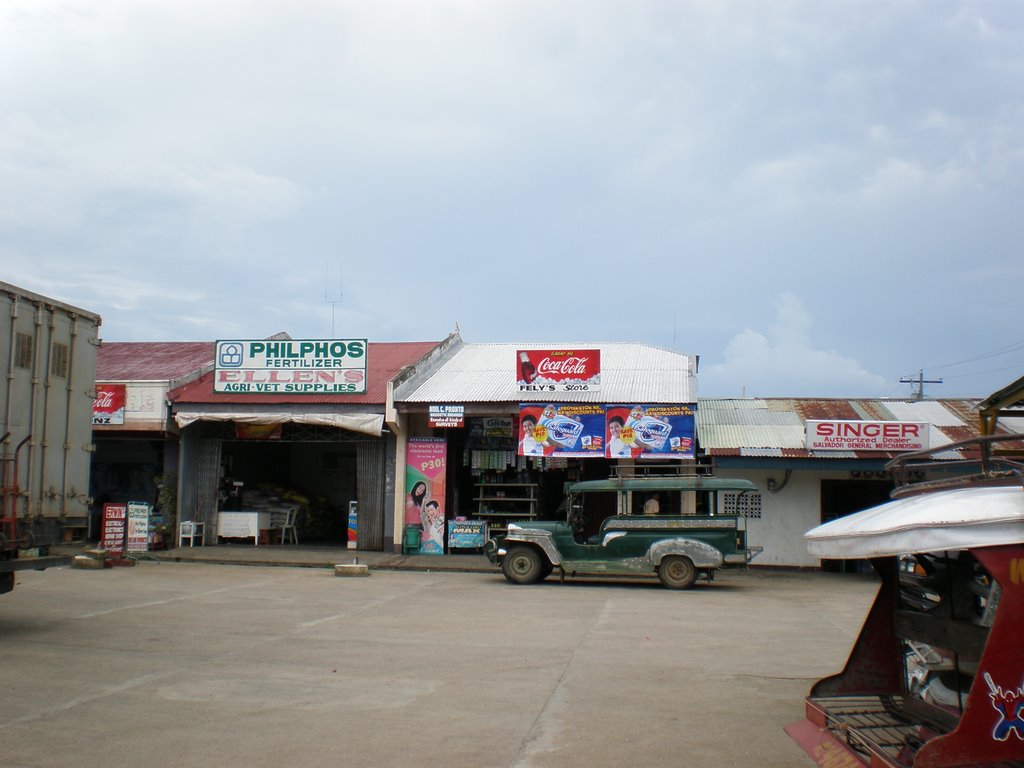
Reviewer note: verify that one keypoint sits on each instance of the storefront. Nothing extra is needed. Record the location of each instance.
(815, 459)
(136, 444)
(493, 432)
(282, 424)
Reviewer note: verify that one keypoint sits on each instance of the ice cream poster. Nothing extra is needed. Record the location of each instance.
(649, 431)
(561, 429)
(425, 490)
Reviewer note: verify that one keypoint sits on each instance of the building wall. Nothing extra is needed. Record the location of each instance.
(786, 514)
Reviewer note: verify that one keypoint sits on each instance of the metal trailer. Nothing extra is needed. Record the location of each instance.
(46, 398)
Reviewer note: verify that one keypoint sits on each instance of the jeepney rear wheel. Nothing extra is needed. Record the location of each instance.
(677, 572)
(522, 565)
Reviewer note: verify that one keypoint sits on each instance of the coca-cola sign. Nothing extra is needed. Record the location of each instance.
(108, 407)
(558, 370)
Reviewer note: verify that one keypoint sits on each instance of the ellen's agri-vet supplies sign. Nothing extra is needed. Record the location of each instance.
(291, 367)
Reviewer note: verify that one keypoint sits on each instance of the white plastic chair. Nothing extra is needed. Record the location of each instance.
(191, 530)
(288, 528)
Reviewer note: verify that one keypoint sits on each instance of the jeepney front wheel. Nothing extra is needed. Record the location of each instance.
(523, 565)
(677, 572)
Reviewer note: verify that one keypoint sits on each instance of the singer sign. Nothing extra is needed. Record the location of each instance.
(558, 370)
(838, 435)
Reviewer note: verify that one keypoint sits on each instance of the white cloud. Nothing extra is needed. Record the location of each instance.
(783, 362)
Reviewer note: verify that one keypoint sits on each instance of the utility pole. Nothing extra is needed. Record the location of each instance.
(920, 381)
(333, 299)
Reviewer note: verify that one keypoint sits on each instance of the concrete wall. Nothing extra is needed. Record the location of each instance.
(786, 514)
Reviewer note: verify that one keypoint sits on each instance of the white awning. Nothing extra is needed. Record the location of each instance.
(944, 520)
(366, 423)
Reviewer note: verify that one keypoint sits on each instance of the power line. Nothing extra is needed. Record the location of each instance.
(999, 351)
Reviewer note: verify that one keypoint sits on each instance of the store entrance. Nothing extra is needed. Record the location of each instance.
(318, 478)
(844, 497)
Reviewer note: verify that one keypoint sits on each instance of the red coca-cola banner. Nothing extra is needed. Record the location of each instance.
(558, 370)
(108, 407)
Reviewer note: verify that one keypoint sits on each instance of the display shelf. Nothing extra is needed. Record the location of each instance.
(500, 502)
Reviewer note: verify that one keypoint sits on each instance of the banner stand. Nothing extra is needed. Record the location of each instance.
(136, 542)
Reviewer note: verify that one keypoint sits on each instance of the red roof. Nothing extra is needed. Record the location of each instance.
(151, 360)
(383, 361)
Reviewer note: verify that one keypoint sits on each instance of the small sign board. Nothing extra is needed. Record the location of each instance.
(137, 529)
(467, 534)
(447, 416)
(114, 527)
(353, 525)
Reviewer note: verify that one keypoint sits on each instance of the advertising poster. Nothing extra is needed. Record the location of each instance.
(425, 491)
(467, 534)
(564, 429)
(108, 407)
(137, 531)
(650, 431)
(558, 370)
(113, 527)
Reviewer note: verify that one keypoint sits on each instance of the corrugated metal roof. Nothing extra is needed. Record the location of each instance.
(383, 361)
(486, 373)
(755, 427)
(151, 360)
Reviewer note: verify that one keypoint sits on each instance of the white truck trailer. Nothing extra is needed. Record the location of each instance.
(48, 349)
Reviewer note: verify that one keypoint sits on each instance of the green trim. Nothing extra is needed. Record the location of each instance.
(663, 484)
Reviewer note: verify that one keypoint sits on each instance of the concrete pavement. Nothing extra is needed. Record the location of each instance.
(313, 557)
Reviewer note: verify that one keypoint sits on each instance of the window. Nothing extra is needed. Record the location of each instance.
(59, 360)
(746, 505)
(23, 351)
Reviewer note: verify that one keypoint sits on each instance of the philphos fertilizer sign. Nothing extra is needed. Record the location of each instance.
(291, 367)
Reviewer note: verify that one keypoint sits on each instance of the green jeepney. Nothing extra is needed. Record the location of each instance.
(677, 548)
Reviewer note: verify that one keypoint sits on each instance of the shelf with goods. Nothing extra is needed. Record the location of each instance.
(501, 503)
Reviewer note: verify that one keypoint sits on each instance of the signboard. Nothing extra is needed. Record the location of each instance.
(426, 459)
(108, 407)
(558, 370)
(467, 534)
(291, 367)
(587, 430)
(565, 429)
(137, 531)
(838, 435)
(258, 431)
(492, 426)
(650, 431)
(113, 527)
(353, 525)
(447, 416)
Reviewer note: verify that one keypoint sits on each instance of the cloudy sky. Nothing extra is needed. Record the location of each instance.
(818, 197)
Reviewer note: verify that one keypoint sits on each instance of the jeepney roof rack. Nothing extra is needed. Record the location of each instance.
(983, 462)
(660, 470)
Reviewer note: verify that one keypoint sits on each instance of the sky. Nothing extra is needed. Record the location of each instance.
(817, 197)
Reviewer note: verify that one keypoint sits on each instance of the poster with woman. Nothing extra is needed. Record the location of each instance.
(425, 491)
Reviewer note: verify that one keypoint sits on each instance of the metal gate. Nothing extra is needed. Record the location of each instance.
(370, 494)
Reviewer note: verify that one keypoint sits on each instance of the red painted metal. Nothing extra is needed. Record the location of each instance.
(865, 712)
